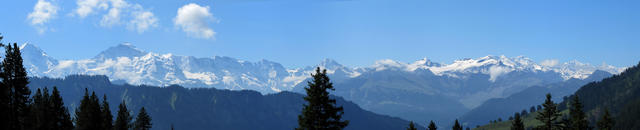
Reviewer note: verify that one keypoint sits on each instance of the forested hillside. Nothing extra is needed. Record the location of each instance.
(209, 108)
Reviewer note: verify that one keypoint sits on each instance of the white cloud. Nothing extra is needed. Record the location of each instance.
(43, 11)
(86, 7)
(117, 13)
(142, 21)
(548, 63)
(114, 13)
(193, 19)
(496, 71)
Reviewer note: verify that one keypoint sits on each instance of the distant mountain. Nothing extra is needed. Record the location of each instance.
(209, 108)
(459, 86)
(505, 107)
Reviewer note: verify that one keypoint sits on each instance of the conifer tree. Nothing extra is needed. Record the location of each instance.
(517, 123)
(123, 120)
(577, 117)
(320, 112)
(4, 101)
(143, 121)
(88, 114)
(14, 79)
(36, 116)
(61, 118)
(548, 115)
(107, 118)
(457, 126)
(432, 126)
(412, 126)
(605, 122)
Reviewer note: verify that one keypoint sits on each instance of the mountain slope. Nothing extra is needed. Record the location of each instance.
(505, 107)
(208, 108)
(620, 94)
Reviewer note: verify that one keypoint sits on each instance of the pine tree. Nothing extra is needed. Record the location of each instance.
(123, 120)
(61, 118)
(143, 121)
(606, 122)
(531, 110)
(517, 123)
(457, 126)
(36, 116)
(548, 115)
(412, 126)
(4, 101)
(14, 79)
(320, 112)
(577, 117)
(432, 126)
(107, 118)
(88, 115)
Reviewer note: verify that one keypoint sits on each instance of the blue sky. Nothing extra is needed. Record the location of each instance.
(353, 32)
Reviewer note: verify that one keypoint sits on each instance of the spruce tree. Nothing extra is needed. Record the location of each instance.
(88, 115)
(14, 79)
(107, 118)
(432, 126)
(457, 126)
(605, 122)
(577, 117)
(320, 112)
(123, 120)
(143, 121)
(61, 118)
(548, 115)
(412, 126)
(517, 123)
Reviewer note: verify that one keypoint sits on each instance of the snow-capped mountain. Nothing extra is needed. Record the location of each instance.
(136, 66)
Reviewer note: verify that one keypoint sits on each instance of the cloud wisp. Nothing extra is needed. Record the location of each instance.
(117, 12)
(42, 13)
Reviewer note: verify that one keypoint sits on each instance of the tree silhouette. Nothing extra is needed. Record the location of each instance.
(320, 112)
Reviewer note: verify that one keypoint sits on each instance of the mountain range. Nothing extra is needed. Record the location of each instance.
(208, 108)
(406, 90)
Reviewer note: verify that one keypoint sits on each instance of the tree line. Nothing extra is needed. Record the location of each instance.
(552, 119)
(46, 111)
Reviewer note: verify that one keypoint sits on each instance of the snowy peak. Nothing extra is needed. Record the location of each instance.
(330, 64)
(35, 60)
(121, 50)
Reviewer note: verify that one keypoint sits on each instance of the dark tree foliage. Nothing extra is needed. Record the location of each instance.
(517, 123)
(48, 112)
(37, 116)
(457, 126)
(524, 112)
(88, 114)
(123, 120)
(107, 118)
(539, 108)
(4, 102)
(14, 83)
(412, 126)
(320, 112)
(606, 122)
(143, 121)
(432, 126)
(61, 117)
(531, 110)
(577, 117)
(549, 115)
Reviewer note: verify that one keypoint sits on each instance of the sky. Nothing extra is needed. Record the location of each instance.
(300, 33)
